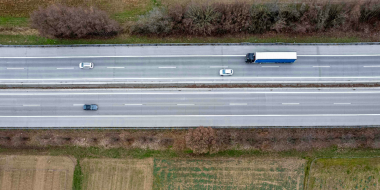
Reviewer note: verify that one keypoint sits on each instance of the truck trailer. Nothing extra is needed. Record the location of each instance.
(271, 57)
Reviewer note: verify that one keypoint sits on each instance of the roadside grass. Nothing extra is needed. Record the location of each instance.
(127, 39)
(95, 152)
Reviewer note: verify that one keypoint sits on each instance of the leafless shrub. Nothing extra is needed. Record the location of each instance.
(370, 12)
(263, 17)
(201, 19)
(234, 17)
(201, 140)
(157, 21)
(73, 22)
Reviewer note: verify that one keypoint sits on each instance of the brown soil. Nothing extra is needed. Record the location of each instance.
(99, 174)
(36, 172)
(244, 139)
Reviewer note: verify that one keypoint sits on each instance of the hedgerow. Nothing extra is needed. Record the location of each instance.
(73, 22)
(240, 17)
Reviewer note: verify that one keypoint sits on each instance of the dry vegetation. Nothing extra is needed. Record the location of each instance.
(201, 140)
(36, 172)
(117, 174)
(258, 173)
(274, 140)
(239, 17)
(73, 22)
(345, 173)
(187, 20)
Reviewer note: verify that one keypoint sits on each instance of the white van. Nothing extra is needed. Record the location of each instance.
(86, 65)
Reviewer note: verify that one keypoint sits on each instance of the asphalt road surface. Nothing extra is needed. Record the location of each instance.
(186, 64)
(190, 107)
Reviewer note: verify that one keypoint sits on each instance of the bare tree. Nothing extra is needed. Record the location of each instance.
(202, 140)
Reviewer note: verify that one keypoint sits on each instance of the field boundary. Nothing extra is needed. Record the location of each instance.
(197, 44)
(312, 162)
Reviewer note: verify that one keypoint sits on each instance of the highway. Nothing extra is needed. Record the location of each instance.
(186, 64)
(152, 108)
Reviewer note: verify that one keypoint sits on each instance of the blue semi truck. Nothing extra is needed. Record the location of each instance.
(271, 57)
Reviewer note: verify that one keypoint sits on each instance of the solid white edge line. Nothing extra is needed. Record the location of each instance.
(167, 67)
(290, 103)
(31, 105)
(15, 68)
(153, 56)
(371, 66)
(182, 93)
(133, 104)
(127, 56)
(342, 103)
(78, 104)
(209, 78)
(321, 66)
(160, 116)
(185, 104)
(270, 66)
(115, 67)
(189, 82)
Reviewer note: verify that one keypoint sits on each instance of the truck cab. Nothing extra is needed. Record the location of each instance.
(250, 57)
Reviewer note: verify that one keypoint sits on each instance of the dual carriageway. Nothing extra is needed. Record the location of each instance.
(153, 108)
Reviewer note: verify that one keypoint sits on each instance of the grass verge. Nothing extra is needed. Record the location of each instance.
(126, 39)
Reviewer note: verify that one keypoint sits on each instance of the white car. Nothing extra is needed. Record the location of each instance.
(86, 65)
(227, 72)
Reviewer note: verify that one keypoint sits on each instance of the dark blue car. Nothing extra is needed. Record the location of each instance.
(93, 107)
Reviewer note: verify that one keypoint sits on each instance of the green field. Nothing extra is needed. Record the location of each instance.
(229, 174)
(345, 173)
